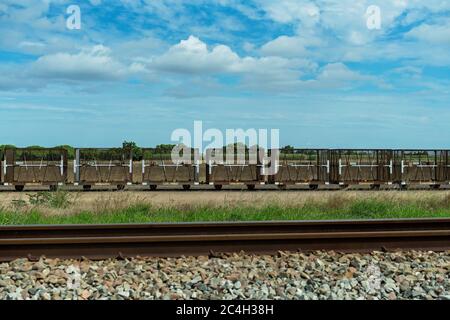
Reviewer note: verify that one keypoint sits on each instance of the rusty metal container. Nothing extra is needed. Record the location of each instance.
(158, 168)
(422, 167)
(242, 169)
(103, 166)
(302, 166)
(34, 166)
(362, 166)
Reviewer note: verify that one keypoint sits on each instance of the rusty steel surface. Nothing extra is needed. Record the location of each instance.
(302, 166)
(112, 241)
(244, 168)
(158, 168)
(46, 166)
(120, 167)
(102, 165)
(421, 166)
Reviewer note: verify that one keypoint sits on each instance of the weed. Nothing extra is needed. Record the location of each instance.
(18, 204)
(38, 198)
(59, 199)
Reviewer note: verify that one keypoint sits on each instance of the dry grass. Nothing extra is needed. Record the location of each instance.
(99, 202)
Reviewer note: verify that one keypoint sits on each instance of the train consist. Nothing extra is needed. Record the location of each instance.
(119, 167)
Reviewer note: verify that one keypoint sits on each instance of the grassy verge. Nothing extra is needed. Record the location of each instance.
(141, 213)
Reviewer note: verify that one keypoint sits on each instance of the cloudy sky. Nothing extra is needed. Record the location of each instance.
(138, 69)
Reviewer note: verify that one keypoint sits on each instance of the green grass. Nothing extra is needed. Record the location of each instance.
(360, 209)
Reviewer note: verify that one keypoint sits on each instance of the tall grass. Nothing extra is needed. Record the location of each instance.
(336, 208)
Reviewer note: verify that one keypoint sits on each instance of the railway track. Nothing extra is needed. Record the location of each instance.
(113, 241)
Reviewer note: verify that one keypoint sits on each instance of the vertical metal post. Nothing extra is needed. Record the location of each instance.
(77, 165)
(197, 171)
(61, 166)
(9, 165)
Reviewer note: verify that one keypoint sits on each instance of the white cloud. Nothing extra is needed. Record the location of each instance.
(339, 72)
(435, 34)
(90, 64)
(409, 71)
(326, 32)
(286, 11)
(284, 46)
(193, 56)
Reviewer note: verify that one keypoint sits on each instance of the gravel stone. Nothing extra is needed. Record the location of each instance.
(305, 276)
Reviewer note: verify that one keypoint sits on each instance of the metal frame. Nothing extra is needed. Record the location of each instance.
(362, 166)
(300, 166)
(11, 164)
(233, 171)
(151, 165)
(125, 160)
(2, 153)
(427, 166)
(313, 163)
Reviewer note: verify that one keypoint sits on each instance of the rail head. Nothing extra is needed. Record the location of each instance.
(272, 223)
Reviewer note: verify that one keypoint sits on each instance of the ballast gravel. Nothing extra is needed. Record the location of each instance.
(309, 276)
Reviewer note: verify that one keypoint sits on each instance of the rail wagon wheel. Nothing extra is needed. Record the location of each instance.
(186, 186)
(435, 186)
(153, 187)
(120, 187)
(19, 188)
(313, 186)
(375, 187)
(87, 187)
(218, 186)
(404, 187)
(53, 188)
(251, 187)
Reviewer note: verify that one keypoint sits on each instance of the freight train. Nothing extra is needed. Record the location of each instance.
(119, 167)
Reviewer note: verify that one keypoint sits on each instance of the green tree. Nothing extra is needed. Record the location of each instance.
(288, 149)
(133, 147)
(165, 148)
(70, 151)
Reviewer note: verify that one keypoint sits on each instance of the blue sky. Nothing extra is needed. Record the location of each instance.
(137, 70)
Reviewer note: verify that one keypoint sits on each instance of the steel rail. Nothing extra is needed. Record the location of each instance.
(130, 240)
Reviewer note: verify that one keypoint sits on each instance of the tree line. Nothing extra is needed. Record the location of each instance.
(127, 146)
